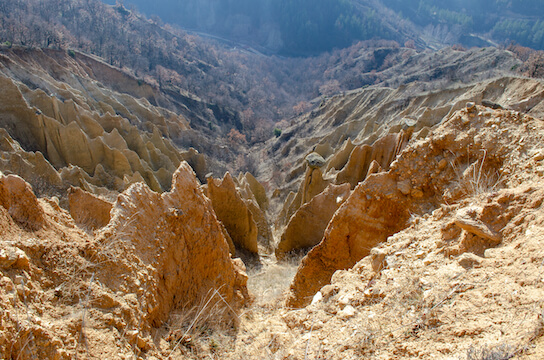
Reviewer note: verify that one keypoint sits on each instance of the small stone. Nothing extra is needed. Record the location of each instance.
(404, 187)
(12, 257)
(317, 298)
(22, 261)
(539, 156)
(442, 164)
(466, 220)
(328, 291)
(471, 106)
(378, 259)
(6, 283)
(142, 344)
(416, 193)
(345, 299)
(347, 312)
(469, 260)
(490, 253)
(409, 122)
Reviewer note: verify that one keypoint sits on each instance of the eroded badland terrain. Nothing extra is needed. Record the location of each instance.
(400, 220)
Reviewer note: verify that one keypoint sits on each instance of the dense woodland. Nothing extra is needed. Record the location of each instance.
(302, 27)
(291, 27)
(503, 21)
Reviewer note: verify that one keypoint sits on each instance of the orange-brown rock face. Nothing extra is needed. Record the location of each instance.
(170, 247)
(233, 212)
(87, 210)
(307, 226)
(375, 210)
(17, 197)
(257, 190)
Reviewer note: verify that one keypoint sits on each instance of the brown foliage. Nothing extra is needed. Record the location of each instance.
(534, 66)
(235, 137)
(533, 60)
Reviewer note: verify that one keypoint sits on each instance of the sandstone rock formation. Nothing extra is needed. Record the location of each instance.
(255, 189)
(306, 227)
(383, 152)
(380, 113)
(170, 249)
(233, 212)
(77, 121)
(88, 210)
(160, 253)
(367, 218)
(17, 197)
(462, 157)
(312, 184)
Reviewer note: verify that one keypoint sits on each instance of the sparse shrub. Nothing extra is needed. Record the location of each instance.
(204, 327)
(277, 132)
(248, 163)
(534, 66)
(478, 177)
(301, 107)
(71, 53)
(502, 352)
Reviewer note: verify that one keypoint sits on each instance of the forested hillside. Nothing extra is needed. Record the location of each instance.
(517, 20)
(290, 27)
(302, 27)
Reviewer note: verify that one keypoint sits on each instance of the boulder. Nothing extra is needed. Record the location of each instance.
(233, 212)
(306, 227)
(467, 219)
(315, 160)
(88, 210)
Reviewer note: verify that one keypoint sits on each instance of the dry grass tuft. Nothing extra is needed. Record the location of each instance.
(474, 179)
(204, 328)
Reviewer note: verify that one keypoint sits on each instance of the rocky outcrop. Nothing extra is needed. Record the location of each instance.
(254, 189)
(160, 253)
(70, 133)
(380, 115)
(169, 249)
(233, 212)
(197, 162)
(307, 226)
(381, 153)
(463, 157)
(77, 121)
(88, 210)
(363, 221)
(312, 184)
(17, 197)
